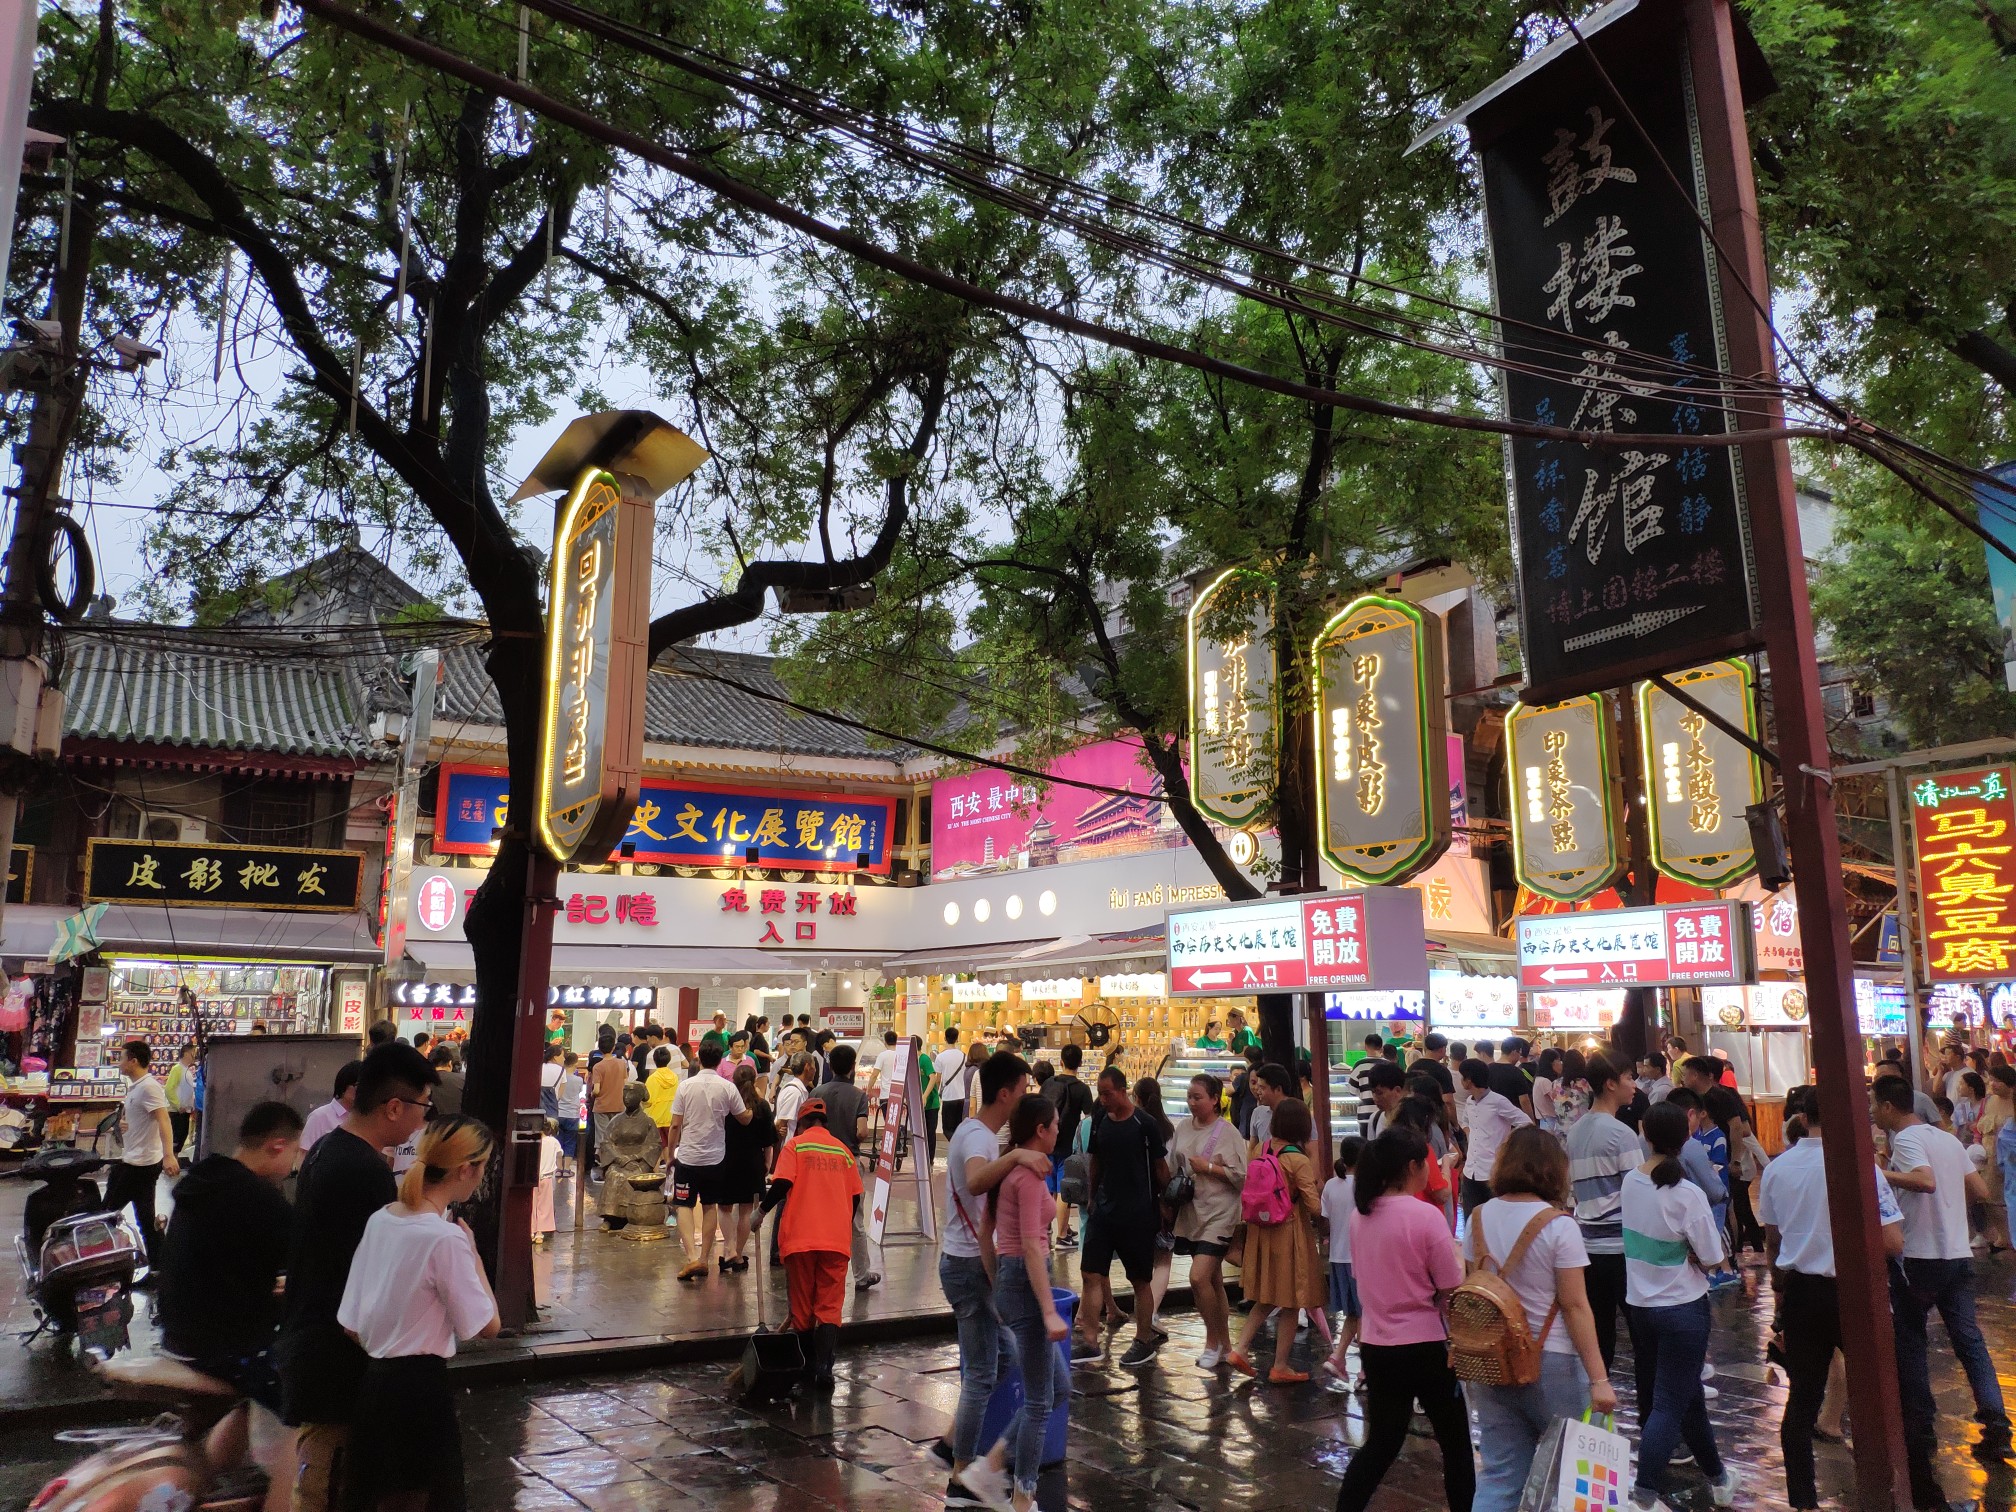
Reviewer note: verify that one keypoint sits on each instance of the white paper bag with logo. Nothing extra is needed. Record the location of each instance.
(1582, 1465)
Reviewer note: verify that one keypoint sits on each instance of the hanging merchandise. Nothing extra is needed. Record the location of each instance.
(15, 1004)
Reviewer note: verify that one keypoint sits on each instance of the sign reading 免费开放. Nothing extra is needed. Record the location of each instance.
(598, 616)
(1232, 698)
(693, 823)
(1699, 779)
(222, 876)
(1677, 945)
(1567, 823)
(1631, 559)
(1371, 938)
(1383, 810)
(1963, 825)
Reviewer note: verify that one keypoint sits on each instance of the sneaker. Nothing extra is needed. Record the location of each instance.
(1707, 1370)
(1709, 1393)
(1723, 1281)
(1681, 1455)
(1083, 1349)
(1068, 1242)
(1211, 1359)
(873, 1278)
(956, 1495)
(1722, 1490)
(1140, 1352)
(942, 1452)
(987, 1483)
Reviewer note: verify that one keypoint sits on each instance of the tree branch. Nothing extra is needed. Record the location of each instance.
(1989, 355)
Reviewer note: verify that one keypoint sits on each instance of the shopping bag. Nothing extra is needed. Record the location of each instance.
(1581, 1465)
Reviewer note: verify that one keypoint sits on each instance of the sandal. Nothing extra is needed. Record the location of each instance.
(1279, 1377)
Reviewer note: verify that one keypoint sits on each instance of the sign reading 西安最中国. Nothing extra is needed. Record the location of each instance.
(1567, 840)
(693, 823)
(1631, 559)
(1232, 697)
(1963, 825)
(1382, 755)
(1699, 779)
(598, 608)
(222, 876)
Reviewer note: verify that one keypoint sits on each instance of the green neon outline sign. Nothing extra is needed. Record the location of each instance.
(1701, 871)
(1550, 885)
(1231, 817)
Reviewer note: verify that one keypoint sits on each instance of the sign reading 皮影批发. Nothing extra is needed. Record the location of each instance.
(1963, 825)
(222, 876)
(693, 824)
(1382, 753)
(1700, 779)
(1232, 698)
(1631, 558)
(1567, 811)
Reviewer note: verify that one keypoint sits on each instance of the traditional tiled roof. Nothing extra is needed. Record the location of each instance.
(214, 691)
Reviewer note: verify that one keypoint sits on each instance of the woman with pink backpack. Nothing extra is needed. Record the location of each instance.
(1282, 1268)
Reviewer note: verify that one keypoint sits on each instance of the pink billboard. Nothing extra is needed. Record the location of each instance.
(990, 821)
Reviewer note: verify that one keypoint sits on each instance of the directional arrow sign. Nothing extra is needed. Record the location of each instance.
(1365, 938)
(1681, 944)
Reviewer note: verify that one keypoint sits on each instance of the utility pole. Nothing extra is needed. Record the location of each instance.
(413, 748)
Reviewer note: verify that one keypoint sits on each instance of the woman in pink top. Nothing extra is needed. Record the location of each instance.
(1023, 1213)
(1405, 1267)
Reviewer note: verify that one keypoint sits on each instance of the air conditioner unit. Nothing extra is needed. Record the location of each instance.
(173, 827)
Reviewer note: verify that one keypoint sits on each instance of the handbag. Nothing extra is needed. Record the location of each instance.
(1580, 1466)
(1181, 1189)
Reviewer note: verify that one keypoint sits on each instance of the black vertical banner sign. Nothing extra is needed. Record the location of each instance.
(1631, 559)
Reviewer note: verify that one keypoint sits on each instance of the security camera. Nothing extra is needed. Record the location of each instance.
(134, 355)
(43, 335)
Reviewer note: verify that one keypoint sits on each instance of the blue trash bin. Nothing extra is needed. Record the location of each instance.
(1007, 1398)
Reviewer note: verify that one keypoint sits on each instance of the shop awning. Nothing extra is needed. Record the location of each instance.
(249, 933)
(1085, 955)
(1478, 954)
(956, 959)
(625, 965)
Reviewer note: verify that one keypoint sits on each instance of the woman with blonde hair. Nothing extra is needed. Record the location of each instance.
(417, 1286)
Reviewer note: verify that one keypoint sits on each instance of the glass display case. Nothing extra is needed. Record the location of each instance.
(1188, 1061)
(145, 1000)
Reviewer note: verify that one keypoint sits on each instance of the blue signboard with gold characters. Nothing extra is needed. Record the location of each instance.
(693, 823)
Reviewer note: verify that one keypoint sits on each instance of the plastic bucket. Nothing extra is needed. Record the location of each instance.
(1007, 1398)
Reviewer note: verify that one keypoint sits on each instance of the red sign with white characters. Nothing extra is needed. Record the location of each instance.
(1679, 944)
(434, 904)
(1369, 937)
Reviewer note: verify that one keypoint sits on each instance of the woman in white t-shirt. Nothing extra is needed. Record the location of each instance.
(1671, 1242)
(417, 1286)
(1530, 1186)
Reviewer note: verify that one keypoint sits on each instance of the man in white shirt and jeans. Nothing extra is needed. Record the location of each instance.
(1493, 1115)
(149, 1149)
(952, 1079)
(1934, 1181)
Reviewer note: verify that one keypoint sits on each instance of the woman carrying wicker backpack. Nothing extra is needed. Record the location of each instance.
(1522, 1336)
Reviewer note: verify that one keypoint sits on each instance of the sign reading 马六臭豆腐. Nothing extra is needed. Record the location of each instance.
(1677, 945)
(185, 875)
(1963, 825)
(1382, 753)
(1699, 779)
(1232, 698)
(1370, 938)
(1631, 558)
(598, 609)
(1561, 759)
(694, 823)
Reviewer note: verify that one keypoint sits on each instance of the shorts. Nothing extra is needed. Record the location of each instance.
(1343, 1289)
(1108, 1238)
(1054, 1182)
(707, 1186)
(1217, 1248)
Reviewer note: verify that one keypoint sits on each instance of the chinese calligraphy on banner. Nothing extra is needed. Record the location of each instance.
(694, 824)
(1964, 826)
(1382, 752)
(1699, 779)
(222, 876)
(1630, 559)
(1566, 815)
(1232, 698)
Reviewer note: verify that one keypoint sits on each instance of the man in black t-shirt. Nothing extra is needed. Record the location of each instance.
(223, 1251)
(1508, 1078)
(1129, 1169)
(345, 1179)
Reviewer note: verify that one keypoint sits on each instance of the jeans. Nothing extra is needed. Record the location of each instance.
(863, 1252)
(1670, 1344)
(985, 1350)
(1511, 1421)
(954, 1115)
(1474, 1194)
(1605, 1280)
(1022, 1318)
(135, 1184)
(1397, 1376)
(1916, 1288)
(1812, 1325)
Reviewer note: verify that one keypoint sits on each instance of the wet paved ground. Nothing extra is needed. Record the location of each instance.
(1170, 1437)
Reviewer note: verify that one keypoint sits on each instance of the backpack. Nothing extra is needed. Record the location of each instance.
(1489, 1339)
(1267, 1199)
(1077, 1175)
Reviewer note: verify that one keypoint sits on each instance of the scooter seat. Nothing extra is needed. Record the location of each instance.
(161, 1377)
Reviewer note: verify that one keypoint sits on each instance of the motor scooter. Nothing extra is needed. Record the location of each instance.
(78, 1260)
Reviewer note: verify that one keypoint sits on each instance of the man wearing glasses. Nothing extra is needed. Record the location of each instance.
(345, 1179)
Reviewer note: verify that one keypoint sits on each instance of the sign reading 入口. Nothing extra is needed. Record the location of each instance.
(1567, 840)
(1631, 559)
(1699, 779)
(1382, 753)
(598, 610)
(1231, 698)
(1963, 825)
(1678, 945)
(1368, 938)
